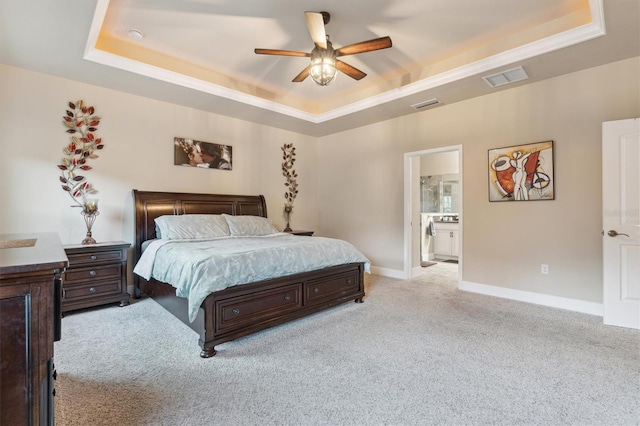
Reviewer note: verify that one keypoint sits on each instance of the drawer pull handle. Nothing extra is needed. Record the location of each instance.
(287, 297)
(94, 257)
(349, 281)
(235, 311)
(92, 290)
(316, 290)
(92, 273)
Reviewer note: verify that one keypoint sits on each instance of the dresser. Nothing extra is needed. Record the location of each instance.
(31, 266)
(96, 275)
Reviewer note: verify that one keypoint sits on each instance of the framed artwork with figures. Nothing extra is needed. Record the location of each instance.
(522, 172)
(193, 153)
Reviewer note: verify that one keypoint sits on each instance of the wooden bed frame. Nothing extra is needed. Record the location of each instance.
(241, 310)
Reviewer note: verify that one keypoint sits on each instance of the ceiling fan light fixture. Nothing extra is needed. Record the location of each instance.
(323, 71)
(323, 65)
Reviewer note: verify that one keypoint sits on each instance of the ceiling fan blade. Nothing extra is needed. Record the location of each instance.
(365, 46)
(281, 52)
(315, 23)
(303, 74)
(352, 72)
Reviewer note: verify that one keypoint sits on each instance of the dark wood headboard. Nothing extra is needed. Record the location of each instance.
(150, 205)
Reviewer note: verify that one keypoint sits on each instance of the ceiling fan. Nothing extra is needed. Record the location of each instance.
(324, 64)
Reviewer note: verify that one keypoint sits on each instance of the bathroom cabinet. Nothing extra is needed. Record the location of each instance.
(446, 240)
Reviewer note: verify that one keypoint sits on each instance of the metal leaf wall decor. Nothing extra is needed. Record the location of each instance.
(81, 124)
(291, 183)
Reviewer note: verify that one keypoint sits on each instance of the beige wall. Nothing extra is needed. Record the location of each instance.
(138, 137)
(441, 163)
(351, 184)
(360, 180)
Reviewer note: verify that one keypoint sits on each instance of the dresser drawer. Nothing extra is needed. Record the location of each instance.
(102, 288)
(77, 259)
(331, 288)
(236, 312)
(95, 273)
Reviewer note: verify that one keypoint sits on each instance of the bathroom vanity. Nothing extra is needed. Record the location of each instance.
(439, 208)
(446, 239)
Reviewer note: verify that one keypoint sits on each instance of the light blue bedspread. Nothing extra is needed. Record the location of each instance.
(199, 267)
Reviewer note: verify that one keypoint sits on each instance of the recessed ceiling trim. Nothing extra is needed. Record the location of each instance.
(549, 44)
(162, 74)
(96, 25)
(137, 67)
(567, 38)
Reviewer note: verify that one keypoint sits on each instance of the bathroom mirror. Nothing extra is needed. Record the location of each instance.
(440, 194)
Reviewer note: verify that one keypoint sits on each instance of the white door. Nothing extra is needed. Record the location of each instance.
(621, 222)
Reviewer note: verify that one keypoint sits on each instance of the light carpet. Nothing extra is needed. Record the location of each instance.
(417, 352)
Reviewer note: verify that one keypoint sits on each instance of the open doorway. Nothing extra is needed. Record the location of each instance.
(433, 209)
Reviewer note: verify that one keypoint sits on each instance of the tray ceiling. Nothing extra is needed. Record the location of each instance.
(199, 53)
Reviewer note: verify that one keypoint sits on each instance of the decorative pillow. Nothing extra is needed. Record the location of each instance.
(249, 226)
(191, 226)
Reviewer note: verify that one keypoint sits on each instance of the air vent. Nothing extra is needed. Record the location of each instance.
(506, 77)
(426, 104)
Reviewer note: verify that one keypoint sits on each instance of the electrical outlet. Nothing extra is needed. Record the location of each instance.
(544, 269)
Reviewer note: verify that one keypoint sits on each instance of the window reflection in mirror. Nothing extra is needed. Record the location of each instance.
(439, 194)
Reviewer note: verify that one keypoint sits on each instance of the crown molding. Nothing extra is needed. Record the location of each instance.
(549, 44)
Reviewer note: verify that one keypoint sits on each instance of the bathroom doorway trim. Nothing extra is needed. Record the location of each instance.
(409, 202)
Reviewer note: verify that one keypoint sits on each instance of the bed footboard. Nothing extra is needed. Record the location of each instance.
(242, 310)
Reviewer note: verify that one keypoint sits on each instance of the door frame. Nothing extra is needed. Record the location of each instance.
(408, 203)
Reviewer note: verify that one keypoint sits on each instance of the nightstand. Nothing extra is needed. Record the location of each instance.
(96, 275)
(301, 232)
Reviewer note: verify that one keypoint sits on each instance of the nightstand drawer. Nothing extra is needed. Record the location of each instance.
(95, 257)
(103, 288)
(98, 272)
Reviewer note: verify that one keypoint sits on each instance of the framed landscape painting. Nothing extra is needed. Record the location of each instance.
(522, 172)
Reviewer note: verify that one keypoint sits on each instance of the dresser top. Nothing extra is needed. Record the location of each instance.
(31, 252)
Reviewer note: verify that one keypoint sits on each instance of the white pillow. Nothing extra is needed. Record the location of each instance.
(249, 226)
(191, 226)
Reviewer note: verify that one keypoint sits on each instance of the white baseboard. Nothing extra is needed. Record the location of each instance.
(388, 272)
(575, 305)
(417, 271)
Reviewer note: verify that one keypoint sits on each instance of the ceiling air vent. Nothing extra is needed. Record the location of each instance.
(426, 104)
(506, 77)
